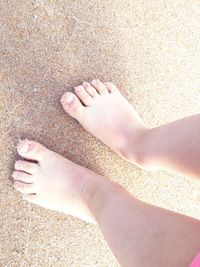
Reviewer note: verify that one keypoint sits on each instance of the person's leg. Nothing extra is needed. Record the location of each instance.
(104, 112)
(138, 234)
(174, 146)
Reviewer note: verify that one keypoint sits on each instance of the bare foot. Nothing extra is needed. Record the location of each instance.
(103, 111)
(52, 181)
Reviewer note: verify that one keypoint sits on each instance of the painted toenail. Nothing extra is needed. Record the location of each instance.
(14, 175)
(96, 81)
(78, 88)
(85, 84)
(69, 99)
(24, 148)
(17, 164)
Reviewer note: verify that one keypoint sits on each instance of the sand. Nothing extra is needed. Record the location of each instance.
(149, 49)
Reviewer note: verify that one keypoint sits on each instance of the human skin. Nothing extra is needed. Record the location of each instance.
(103, 111)
(137, 233)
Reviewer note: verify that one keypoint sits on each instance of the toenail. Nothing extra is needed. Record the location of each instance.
(69, 99)
(85, 84)
(14, 175)
(96, 81)
(78, 88)
(24, 148)
(66, 99)
(17, 164)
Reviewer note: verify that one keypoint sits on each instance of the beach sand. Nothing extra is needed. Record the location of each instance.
(149, 49)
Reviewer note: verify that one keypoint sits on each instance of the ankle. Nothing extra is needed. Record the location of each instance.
(97, 194)
(144, 153)
(135, 148)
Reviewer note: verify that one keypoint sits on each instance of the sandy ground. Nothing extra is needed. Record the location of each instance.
(150, 49)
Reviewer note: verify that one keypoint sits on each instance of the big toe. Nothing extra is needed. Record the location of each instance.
(31, 150)
(72, 105)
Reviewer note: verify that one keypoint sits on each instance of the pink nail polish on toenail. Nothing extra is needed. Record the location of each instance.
(69, 99)
(78, 88)
(85, 83)
(24, 148)
(17, 164)
(14, 175)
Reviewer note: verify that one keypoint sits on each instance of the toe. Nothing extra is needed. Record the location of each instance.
(83, 95)
(28, 167)
(90, 89)
(22, 176)
(72, 105)
(99, 86)
(111, 87)
(24, 188)
(31, 150)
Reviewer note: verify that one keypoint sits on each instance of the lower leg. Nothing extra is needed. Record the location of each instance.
(139, 235)
(142, 235)
(174, 146)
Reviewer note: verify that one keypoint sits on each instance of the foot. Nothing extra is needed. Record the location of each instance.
(51, 181)
(103, 111)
